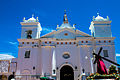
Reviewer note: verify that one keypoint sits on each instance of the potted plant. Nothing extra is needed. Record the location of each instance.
(112, 69)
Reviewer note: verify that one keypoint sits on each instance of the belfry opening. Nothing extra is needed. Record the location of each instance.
(66, 73)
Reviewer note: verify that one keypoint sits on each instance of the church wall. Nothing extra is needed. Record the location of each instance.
(35, 54)
(85, 58)
(72, 50)
(73, 61)
(103, 31)
(46, 53)
(27, 63)
(34, 33)
(23, 34)
(39, 62)
(80, 55)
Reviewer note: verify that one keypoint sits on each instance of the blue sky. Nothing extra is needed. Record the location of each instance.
(50, 13)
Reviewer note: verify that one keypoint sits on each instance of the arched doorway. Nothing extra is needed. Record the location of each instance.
(66, 73)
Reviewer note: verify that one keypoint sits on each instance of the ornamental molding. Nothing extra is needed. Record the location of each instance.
(29, 27)
(103, 45)
(29, 23)
(101, 22)
(84, 46)
(28, 47)
(47, 46)
(84, 38)
(104, 38)
(102, 25)
(48, 39)
(28, 40)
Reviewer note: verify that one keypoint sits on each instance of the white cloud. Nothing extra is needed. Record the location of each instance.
(117, 54)
(6, 57)
(13, 43)
(47, 29)
(8, 53)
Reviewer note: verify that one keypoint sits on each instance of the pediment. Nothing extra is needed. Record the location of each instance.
(66, 33)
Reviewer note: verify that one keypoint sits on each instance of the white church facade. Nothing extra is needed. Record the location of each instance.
(63, 53)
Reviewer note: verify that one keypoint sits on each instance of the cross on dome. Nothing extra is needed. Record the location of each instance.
(98, 14)
(32, 15)
(65, 17)
(65, 11)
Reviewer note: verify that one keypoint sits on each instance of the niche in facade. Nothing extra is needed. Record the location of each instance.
(29, 34)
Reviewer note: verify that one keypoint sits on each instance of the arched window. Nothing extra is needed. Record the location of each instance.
(29, 33)
(27, 54)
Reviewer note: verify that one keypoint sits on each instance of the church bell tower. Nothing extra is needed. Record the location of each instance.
(100, 27)
(31, 28)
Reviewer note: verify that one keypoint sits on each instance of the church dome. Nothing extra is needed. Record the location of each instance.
(65, 23)
(100, 18)
(32, 19)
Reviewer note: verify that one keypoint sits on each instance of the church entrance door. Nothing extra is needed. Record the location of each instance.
(66, 73)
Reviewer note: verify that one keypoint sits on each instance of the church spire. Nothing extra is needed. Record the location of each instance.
(65, 23)
(65, 17)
